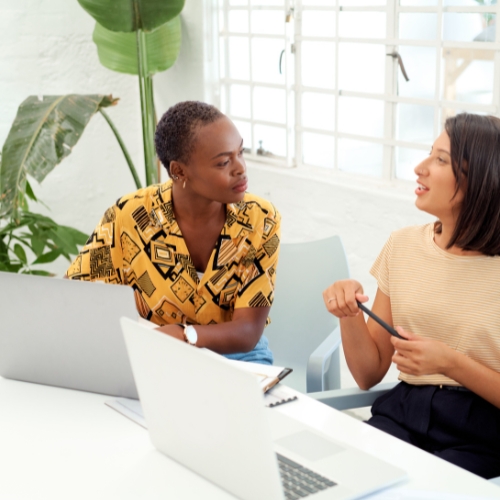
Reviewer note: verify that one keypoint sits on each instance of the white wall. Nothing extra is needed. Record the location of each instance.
(47, 48)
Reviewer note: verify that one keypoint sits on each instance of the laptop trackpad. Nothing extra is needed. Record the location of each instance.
(309, 445)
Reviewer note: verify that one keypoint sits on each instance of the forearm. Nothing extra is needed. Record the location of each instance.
(361, 352)
(241, 334)
(478, 378)
(228, 338)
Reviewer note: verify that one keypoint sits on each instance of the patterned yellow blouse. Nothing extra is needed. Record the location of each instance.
(138, 243)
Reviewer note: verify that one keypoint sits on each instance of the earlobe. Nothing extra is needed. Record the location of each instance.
(176, 170)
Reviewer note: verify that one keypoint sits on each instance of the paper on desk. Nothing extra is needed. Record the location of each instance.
(132, 409)
(407, 494)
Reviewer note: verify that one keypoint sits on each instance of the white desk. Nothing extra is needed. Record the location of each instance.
(60, 444)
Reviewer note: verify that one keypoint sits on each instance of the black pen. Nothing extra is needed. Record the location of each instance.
(380, 321)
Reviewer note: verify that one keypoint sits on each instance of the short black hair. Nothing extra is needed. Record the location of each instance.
(475, 159)
(176, 131)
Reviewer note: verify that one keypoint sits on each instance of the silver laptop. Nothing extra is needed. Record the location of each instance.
(65, 333)
(209, 416)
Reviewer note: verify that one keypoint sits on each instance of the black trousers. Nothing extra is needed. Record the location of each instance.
(457, 426)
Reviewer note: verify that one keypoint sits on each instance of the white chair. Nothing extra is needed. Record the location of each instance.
(301, 330)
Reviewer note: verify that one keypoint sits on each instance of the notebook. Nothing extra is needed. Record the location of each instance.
(209, 416)
(65, 333)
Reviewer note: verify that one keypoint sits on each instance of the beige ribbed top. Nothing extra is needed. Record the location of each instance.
(452, 298)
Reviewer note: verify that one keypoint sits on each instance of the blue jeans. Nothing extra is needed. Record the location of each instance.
(260, 354)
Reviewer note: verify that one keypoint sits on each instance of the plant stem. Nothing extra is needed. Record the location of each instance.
(133, 171)
(147, 112)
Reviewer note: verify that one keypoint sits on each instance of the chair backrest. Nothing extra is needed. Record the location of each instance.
(299, 319)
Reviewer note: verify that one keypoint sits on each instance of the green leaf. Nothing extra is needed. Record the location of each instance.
(75, 235)
(29, 192)
(37, 272)
(131, 15)
(48, 257)
(38, 244)
(64, 241)
(42, 135)
(20, 253)
(4, 251)
(118, 51)
(11, 268)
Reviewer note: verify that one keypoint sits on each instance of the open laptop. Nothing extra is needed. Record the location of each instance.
(65, 333)
(209, 416)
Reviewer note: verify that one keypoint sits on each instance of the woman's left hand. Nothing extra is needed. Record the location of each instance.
(421, 356)
(175, 331)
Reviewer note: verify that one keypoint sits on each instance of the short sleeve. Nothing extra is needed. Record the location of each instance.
(258, 287)
(381, 268)
(101, 258)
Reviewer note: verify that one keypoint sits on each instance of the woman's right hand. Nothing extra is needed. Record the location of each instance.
(340, 298)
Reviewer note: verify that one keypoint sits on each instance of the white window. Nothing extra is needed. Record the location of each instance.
(320, 82)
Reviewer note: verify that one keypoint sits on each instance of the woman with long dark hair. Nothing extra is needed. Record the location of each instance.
(440, 284)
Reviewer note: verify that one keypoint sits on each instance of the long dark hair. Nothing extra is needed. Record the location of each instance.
(475, 158)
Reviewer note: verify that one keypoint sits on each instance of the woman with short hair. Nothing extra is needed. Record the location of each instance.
(199, 252)
(440, 283)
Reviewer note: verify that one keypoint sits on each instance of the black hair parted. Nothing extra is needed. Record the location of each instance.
(176, 131)
(475, 159)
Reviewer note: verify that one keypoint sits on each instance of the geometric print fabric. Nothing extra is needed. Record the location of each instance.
(138, 243)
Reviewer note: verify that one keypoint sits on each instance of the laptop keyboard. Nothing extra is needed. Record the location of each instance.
(299, 482)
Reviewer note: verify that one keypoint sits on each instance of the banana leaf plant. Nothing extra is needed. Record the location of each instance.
(140, 37)
(43, 133)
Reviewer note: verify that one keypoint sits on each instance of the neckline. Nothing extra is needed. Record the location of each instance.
(444, 253)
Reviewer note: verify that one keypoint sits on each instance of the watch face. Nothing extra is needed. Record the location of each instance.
(191, 335)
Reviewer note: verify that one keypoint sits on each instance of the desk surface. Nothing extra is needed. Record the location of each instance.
(60, 444)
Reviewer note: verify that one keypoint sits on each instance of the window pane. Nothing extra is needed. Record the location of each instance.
(361, 116)
(469, 27)
(360, 157)
(269, 104)
(318, 23)
(318, 111)
(318, 150)
(419, 3)
(468, 3)
(362, 24)
(468, 75)
(222, 58)
(417, 26)
(406, 161)
(238, 58)
(245, 130)
(265, 60)
(415, 123)
(319, 3)
(367, 3)
(223, 103)
(318, 64)
(268, 3)
(240, 101)
(362, 67)
(270, 22)
(238, 21)
(238, 2)
(272, 139)
(420, 64)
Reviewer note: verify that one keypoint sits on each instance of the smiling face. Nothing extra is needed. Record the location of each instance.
(437, 183)
(216, 168)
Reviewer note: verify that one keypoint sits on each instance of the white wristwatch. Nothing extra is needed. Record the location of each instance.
(190, 335)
